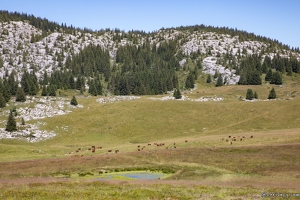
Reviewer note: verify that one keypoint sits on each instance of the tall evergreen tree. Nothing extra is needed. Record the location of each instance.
(177, 94)
(249, 94)
(272, 94)
(255, 95)
(219, 81)
(2, 101)
(269, 75)
(208, 80)
(276, 78)
(44, 91)
(52, 90)
(11, 123)
(190, 81)
(74, 101)
(20, 96)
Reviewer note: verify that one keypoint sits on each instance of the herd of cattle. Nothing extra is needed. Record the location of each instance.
(230, 140)
(139, 148)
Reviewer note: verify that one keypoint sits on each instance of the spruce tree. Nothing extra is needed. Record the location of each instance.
(44, 91)
(20, 96)
(2, 101)
(11, 123)
(249, 94)
(74, 101)
(269, 75)
(255, 95)
(219, 81)
(276, 78)
(23, 121)
(177, 94)
(272, 94)
(208, 80)
(52, 90)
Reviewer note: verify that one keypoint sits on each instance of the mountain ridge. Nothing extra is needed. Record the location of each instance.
(26, 47)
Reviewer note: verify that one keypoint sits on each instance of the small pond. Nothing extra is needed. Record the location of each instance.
(132, 175)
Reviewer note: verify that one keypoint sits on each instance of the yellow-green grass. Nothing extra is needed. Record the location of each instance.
(268, 161)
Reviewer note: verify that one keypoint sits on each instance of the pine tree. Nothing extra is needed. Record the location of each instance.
(272, 94)
(20, 96)
(276, 78)
(255, 95)
(52, 90)
(249, 94)
(190, 81)
(208, 80)
(219, 81)
(74, 101)
(44, 91)
(11, 123)
(269, 75)
(2, 101)
(177, 94)
(23, 121)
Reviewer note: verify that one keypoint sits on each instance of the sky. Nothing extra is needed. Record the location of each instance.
(275, 19)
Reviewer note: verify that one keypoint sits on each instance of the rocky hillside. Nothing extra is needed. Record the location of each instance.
(23, 46)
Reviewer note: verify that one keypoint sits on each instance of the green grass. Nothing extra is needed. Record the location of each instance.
(205, 167)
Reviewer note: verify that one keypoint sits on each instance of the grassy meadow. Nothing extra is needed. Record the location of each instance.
(204, 165)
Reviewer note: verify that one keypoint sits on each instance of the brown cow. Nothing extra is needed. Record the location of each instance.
(251, 136)
(116, 151)
(109, 151)
(186, 141)
(229, 136)
(241, 139)
(149, 144)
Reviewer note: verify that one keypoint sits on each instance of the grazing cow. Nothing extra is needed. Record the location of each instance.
(175, 147)
(109, 151)
(241, 139)
(186, 141)
(89, 149)
(229, 136)
(93, 147)
(93, 150)
(138, 146)
(77, 151)
(99, 147)
(116, 151)
(226, 140)
(234, 139)
(149, 144)
(139, 150)
(251, 136)
(174, 143)
(230, 142)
